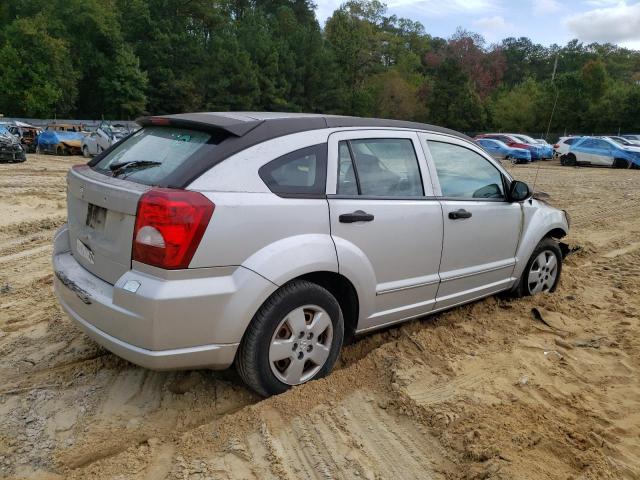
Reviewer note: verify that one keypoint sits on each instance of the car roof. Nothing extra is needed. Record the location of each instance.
(240, 130)
(275, 124)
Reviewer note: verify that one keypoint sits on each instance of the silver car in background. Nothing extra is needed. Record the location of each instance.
(268, 240)
(102, 138)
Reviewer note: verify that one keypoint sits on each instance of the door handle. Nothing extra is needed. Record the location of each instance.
(357, 216)
(462, 213)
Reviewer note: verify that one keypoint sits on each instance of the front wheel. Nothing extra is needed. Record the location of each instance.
(295, 337)
(543, 269)
(570, 160)
(85, 152)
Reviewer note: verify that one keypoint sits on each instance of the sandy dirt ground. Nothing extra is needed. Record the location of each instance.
(539, 388)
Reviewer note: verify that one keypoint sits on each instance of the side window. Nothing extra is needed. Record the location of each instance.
(590, 143)
(384, 167)
(465, 174)
(302, 172)
(571, 141)
(601, 144)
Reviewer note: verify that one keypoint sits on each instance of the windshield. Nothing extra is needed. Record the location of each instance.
(160, 150)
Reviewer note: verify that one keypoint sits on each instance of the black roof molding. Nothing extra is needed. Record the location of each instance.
(246, 129)
(241, 123)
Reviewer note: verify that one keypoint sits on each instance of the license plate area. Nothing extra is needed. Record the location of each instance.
(85, 252)
(96, 217)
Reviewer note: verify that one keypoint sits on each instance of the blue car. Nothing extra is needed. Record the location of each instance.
(502, 151)
(539, 151)
(601, 151)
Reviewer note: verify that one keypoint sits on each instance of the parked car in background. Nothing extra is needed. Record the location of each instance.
(301, 231)
(602, 152)
(102, 138)
(501, 151)
(61, 139)
(546, 150)
(515, 142)
(10, 148)
(633, 137)
(562, 146)
(541, 141)
(26, 134)
(624, 141)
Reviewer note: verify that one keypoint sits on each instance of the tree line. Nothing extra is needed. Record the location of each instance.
(117, 59)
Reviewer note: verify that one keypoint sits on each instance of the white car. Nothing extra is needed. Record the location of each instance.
(266, 239)
(625, 142)
(603, 152)
(563, 145)
(102, 138)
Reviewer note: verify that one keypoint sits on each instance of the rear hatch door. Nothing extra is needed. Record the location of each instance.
(101, 216)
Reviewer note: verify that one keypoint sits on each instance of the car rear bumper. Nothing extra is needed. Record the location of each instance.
(203, 356)
(194, 320)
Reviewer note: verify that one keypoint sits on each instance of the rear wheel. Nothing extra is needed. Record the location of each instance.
(621, 163)
(85, 152)
(543, 269)
(295, 337)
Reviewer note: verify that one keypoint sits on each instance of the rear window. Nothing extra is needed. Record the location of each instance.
(570, 141)
(153, 154)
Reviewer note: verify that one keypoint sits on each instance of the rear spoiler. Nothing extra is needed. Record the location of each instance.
(203, 121)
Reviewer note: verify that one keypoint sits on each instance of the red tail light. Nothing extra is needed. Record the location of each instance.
(169, 226)
(557, 145)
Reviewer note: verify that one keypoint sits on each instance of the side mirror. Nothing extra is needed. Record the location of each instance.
(519, 191)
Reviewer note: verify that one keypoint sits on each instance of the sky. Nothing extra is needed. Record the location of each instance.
(544, 21)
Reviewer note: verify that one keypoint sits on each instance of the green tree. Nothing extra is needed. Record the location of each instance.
(37, 78)
(451, 100)
(518, 109)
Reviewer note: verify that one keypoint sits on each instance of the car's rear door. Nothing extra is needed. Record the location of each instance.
(481, 228)
(385, 222)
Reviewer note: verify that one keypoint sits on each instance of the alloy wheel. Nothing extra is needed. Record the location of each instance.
(543, 272)
(301, 344)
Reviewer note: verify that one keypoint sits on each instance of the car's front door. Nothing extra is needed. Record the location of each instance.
(593, 151)
(385, 222)
(481, 228)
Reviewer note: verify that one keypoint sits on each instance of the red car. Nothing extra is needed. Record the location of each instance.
(514, 142)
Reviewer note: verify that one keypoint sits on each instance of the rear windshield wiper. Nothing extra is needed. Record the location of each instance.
(118, 168)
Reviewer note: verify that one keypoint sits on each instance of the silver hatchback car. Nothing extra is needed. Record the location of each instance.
(269, 239)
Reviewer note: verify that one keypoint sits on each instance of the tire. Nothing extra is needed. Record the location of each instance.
(620, 163)
(85, 152)
(544, 278)
(570, 160)
(275, 324)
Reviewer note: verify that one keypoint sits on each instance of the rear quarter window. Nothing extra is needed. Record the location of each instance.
(158, 153)
(299, 173)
